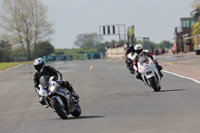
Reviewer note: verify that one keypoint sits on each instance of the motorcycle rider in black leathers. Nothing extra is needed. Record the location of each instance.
(42, 69)
(128, 60)
(138, 52)
(130, 49)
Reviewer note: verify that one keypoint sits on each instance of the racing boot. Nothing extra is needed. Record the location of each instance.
(161, 75)
(132, 71)
(159, 69)
(138, 76)
(74, 94)
(69, 87)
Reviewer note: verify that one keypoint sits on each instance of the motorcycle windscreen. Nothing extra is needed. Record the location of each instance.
(143, 59)
(44, 81)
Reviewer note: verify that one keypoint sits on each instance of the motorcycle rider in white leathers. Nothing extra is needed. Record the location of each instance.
(139, 52)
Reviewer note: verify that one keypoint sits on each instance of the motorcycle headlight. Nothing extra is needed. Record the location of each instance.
(52, 89)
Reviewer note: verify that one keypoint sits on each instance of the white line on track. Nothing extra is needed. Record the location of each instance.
(4, 91)
(13, 67)
(194, 80)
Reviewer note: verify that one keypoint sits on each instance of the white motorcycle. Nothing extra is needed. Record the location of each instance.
(149, 72)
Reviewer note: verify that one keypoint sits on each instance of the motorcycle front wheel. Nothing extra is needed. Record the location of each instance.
(59, 109)
(153, 84)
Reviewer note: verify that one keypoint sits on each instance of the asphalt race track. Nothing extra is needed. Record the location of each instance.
(112, 101)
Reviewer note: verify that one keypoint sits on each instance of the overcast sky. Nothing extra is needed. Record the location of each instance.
(152, 18)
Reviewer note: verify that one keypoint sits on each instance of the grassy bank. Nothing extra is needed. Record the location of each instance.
(4, 66)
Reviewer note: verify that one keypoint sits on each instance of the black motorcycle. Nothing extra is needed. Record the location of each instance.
(129, 62)
(58, 98)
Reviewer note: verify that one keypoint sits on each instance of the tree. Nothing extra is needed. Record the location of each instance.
(5, 50)
(17, 54)
(152, 45)
(87, 41)
(44, 48)
(165, 44)
(24, 22)
(195, 31)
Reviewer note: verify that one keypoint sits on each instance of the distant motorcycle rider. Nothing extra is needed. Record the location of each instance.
(128, 61)
(130, 49)
(44, 70)
(139, 52)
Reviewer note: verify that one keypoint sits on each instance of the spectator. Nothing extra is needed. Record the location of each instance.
(116, 45)
(174, 48)
(113, 46)
(188, 45)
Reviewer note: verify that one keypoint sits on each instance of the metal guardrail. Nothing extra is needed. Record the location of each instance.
(58, 58)
(90, 56)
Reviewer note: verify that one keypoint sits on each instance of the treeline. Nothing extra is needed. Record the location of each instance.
(91, 43)
(161, 45)
(85, 43)
(25, 30)
(10, 53)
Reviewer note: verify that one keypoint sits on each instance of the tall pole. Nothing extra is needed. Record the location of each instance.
(125, 33)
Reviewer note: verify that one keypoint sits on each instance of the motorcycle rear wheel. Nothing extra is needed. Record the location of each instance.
(58, 108)
(77, 111)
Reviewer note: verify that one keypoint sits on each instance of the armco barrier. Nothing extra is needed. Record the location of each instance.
(160, 51)
(57, 58)
(90, 56)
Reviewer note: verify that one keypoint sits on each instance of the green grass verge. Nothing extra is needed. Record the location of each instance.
(4, 66)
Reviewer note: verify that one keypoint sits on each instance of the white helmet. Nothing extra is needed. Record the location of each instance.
(39, 64)
(138, 49)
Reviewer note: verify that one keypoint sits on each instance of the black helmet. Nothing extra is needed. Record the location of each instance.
(131, 45)
(39, 64)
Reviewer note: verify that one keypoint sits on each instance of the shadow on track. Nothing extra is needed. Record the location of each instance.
(77, 118)
(173, 90)
(86, 117)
